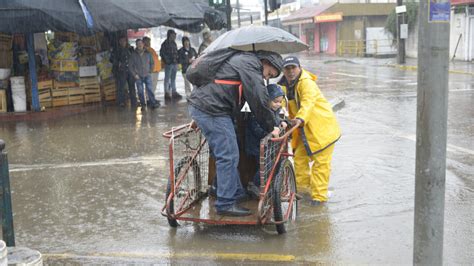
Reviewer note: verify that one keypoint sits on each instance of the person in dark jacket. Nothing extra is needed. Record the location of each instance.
(140, 66)
(207, 40)
(186, 55)
(120, 61)
(254, 133)
(213, 107)
(169, 56)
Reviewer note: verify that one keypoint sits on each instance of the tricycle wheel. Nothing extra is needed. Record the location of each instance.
(284, 189)
(172, 222)
(191, 184)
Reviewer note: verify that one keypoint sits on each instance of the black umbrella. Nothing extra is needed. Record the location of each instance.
(24, 16)
(28, 16)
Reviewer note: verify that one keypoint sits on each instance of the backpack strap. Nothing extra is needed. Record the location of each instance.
(231, 82)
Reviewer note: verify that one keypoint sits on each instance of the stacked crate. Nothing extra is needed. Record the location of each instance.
(3, 101)
(44, 93)
(76, 95)
(60, 92)
(108, 87)
(91, 89)
(6, 54)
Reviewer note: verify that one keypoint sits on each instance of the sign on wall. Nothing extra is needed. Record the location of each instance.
(439, 11)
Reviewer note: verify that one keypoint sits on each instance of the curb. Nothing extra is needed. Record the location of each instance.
(337, 104)
(415, 68)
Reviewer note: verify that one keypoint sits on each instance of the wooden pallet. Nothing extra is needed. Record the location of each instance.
(6, 42)
(89, 81)
(64, 85)
(3, 101)
(45, 84)
(91, 98)
(76, 95)
(60, 101)
(44, 93)
(91, 87)
(46, 103)
(109, 89)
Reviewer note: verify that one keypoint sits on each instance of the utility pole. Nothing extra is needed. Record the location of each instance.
(431, 131)
(266, 11)
(400, 41)
(238, 13)
(228, 12)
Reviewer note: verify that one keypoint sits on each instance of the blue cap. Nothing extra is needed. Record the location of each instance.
(291, 61)
(274, 91)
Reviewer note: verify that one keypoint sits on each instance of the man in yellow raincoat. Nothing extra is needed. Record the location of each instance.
(318, 132)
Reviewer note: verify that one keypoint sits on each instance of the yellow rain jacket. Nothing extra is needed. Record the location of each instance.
(321, 128)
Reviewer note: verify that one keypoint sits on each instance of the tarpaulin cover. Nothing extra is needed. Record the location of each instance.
(22, 16)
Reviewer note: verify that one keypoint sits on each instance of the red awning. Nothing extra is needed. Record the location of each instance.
(305, 15)
(461, 2)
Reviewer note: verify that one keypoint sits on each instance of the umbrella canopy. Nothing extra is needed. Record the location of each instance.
(114, 15)
(255, 38)
(27, 16)
(24, 16)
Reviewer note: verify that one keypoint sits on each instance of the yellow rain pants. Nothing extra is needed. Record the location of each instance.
(316, 177)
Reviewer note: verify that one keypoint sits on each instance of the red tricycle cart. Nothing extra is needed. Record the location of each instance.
(191, 172)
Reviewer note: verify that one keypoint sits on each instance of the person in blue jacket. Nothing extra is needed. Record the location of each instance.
(254, 133)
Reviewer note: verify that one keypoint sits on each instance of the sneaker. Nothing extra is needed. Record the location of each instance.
(212, 192)
(253, 190)
(156, 105)
(243, 198)
(167, 96)
(177, 96)
(330, 194)
(315, 203)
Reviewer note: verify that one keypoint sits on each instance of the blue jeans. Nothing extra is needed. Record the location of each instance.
(170, 78)
(220, 134)
(148, 84)
(124, 78)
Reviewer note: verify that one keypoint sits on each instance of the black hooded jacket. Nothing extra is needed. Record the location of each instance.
(218, 99)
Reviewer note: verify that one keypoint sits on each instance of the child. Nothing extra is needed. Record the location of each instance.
(254, 133)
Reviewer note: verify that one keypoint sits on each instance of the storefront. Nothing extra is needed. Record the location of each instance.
(462, 30)
(70, 70)
(315, 27)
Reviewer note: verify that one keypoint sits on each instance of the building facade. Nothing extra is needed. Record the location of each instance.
(462, 30)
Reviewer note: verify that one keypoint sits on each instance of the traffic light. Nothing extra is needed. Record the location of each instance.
(216, 3)
(274, 5)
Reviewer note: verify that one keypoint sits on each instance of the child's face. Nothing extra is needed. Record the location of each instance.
(275, 104)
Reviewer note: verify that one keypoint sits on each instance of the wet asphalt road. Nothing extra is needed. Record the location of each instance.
(89, 188)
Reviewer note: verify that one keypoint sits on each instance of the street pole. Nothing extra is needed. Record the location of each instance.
(400, 41)
(431, 132)
(238, 13)
(229, 15)
(266, 11)
(6, 212)
(30, 44)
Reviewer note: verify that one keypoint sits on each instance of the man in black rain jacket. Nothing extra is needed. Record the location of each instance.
(213, 107)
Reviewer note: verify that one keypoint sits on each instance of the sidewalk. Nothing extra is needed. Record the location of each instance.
(48, 114)
(455, 67)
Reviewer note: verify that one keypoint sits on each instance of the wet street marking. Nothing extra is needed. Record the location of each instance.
(451, 148)
(125, 161)
(262, 257)
(349, 75)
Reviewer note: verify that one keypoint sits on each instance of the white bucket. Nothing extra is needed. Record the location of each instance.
(17, 81)
(18, 94)
(3, 254)
(4, 73)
